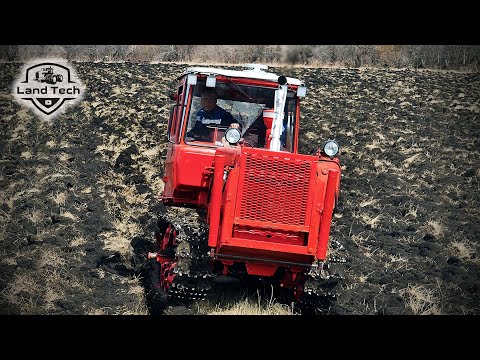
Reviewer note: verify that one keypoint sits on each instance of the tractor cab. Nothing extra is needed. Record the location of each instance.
(251, 97)
(266, 107)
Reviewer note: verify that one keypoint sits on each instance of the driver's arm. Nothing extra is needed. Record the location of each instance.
(230, 120)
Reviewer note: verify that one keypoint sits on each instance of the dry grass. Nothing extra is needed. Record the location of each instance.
(125, 223)
(4, 220)
(375, 145)
(436, 227)
(51, 176)
(7, 260)
(59, 198)
(23, 292)
(465, 250)
(69, 215)
(359, 238)
(27, 155)
(50, 258)
(245, 306)
(114, 144)
(87, 190)
(397, 262)
(78, 241)
(99, 272)
(410, 160)
(54, 289)
(33, 297)
(150, 171)
(34, 215)
(360, 170)
(131, 195)
(63, 157)
(51, 143)
(119, 240)
(362, 278)
(249, 307)
(153, 152)
(421, 300)
(373, 222)
(136, 305)
(412, 211)
(368, 202)
(94, 311)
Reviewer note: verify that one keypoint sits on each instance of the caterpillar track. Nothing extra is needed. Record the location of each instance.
(322, 285)
(184, 274)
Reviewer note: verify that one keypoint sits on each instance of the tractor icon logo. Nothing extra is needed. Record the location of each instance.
(47, 86)
(47, 76)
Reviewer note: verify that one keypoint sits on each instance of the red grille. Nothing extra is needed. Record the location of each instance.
(275, 189)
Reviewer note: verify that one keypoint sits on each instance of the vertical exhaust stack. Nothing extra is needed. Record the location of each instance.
(277, 127)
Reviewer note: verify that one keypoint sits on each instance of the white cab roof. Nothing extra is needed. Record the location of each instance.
(253, 71)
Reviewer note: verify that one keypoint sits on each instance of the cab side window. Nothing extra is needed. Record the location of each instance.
(175, 116)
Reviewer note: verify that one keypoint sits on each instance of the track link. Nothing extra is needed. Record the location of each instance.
(187, 276)
(322, 285)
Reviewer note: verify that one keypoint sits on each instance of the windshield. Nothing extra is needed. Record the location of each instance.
(213, 110)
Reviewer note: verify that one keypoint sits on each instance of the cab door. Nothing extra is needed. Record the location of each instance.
(173, 135)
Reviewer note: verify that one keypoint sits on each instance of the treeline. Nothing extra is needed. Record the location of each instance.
(442, 57)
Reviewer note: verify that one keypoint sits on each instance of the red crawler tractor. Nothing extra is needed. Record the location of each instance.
(262, 208)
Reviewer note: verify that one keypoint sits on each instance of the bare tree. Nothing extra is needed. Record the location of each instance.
(388, 55)
(465, 57)
(297, 54)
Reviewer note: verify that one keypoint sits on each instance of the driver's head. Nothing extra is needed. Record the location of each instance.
(209, 99)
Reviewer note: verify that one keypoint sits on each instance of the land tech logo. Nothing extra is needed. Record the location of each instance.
(48, 87)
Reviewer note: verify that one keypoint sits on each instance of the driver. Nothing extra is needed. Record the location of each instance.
(211, 114)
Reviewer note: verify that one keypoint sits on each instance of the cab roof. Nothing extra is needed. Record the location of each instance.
(252, 71)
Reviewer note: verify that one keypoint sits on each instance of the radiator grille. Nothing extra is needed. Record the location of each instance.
(275, 189)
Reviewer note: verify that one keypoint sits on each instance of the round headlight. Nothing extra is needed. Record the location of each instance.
(330, 148)
(232, 135)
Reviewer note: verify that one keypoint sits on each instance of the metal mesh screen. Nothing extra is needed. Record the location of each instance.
(275, 189)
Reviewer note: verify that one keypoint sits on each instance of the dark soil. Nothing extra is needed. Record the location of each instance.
(79, 193)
